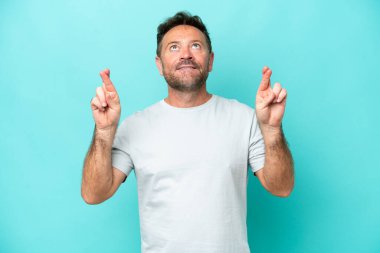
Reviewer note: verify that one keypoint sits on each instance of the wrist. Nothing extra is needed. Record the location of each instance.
(268, 129)
(105, 134)
(271, 134)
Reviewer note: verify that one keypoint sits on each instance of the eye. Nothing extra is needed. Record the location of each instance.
(173, 48)
(196, 46)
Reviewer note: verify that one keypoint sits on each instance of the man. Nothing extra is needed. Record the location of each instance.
(190, 151)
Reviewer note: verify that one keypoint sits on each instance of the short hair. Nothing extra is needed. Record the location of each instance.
(181, 18)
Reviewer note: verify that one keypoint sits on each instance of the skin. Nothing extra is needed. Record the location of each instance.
(185, 61)
(183, 44)
(277, 175)
(100, 180)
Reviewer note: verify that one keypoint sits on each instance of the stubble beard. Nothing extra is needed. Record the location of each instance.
(182, 81)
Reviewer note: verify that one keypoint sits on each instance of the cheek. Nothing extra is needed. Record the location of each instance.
(203, 59)
(169, 66)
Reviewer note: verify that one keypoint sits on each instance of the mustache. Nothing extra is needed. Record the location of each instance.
(187, 62)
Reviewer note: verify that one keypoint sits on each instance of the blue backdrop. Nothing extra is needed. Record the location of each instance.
(326, 53)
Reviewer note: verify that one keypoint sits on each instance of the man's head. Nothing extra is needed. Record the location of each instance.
(181, 18)
(184, 52)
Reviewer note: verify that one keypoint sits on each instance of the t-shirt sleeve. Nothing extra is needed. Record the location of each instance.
(256, 152)
(121, 158)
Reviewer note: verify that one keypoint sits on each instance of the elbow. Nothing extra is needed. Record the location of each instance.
(90, 199)
(286, 189)
(284, 193)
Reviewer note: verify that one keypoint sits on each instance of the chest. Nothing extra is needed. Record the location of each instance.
(186, 143)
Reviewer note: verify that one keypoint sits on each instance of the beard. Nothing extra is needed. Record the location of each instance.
(186, 80)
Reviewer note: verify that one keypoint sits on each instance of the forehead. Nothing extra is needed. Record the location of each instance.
(183, 33)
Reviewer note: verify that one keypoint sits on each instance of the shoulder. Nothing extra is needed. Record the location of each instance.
(138, 118)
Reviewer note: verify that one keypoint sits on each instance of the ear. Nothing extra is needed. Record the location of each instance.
(210, 62)
(159, 64)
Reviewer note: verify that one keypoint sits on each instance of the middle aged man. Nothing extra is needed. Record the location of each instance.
(190, 151)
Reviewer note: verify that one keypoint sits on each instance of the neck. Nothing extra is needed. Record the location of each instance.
(187, 99)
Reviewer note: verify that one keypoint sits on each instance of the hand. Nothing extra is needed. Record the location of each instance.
(106, 104)
(270, 103)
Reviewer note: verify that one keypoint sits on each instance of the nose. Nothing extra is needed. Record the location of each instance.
(186, 53)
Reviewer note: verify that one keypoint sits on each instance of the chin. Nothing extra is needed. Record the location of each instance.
(186, 86)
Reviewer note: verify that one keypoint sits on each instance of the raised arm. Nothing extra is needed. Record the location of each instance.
(100, 180)
(277, 176)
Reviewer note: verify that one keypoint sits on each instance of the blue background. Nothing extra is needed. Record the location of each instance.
(326, 53)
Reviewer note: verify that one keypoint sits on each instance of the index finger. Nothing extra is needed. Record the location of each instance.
(105, 75)
(265, 81)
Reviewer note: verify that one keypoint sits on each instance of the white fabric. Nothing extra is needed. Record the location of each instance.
(191, 169)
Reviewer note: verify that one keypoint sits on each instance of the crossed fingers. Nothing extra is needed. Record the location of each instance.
(277, 94)
(104, 94)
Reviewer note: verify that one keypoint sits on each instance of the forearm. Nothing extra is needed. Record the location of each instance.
(97, 172)
(278, 170)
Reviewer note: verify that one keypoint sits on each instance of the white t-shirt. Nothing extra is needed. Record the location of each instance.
(191, 167)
